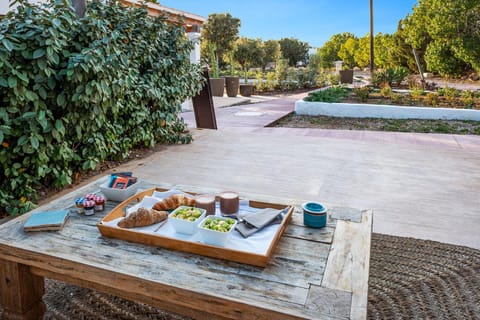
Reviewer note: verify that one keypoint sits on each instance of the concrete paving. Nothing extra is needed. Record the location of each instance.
(418, 185)
(225, 101)
(263, 112)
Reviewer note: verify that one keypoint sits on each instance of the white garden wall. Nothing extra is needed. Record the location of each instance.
(383, 111)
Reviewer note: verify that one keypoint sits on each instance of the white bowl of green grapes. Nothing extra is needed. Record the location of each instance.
(216, 230)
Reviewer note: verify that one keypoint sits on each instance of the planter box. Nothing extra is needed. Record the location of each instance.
(232, 84)
(217, 86)
(383, 111)
(346, 76)
(246, 90)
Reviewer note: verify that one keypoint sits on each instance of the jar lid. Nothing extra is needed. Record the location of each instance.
(90, 196)
(99, 198)
(314, 207)
(89, 203)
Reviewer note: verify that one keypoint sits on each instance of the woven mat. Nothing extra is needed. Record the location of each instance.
(409, 279)
(418, 279)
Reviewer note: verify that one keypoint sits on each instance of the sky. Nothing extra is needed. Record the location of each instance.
(311, 21)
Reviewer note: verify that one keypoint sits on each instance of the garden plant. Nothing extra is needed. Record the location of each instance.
(78, 91)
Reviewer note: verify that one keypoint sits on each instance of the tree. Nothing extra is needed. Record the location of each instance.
(314, 62)
(362, 54)
(249, 53)
(383, 46)
(272, 52)
(401, 50)
(329, 51)
(221, 30)
(347, 52)
(442, 58)
(450, 32)
(293, 50)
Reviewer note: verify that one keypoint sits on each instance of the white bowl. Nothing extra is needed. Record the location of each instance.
(213, 237)
(185, 226)
(118, 194)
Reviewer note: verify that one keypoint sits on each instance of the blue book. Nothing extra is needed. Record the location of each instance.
(46, 221)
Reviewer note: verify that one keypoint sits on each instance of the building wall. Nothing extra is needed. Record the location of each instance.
(5, 5)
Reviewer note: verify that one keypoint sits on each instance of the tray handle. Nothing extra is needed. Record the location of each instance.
(138, 196)
(120, 210)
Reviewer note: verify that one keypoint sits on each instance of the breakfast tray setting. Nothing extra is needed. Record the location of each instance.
(256, 249)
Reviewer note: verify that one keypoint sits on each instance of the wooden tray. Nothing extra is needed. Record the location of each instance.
(189, 246)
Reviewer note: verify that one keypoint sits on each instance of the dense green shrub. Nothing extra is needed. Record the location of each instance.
(75, 92)
(363, 93)
(468, 99)
(441, 58)
(449, 93)
(332, 94)
(390, 76)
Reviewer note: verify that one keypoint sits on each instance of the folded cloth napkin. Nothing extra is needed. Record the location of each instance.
(254, 222)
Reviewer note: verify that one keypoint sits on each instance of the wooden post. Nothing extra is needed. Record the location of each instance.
(20, 292)
(419, 66)
(203, 106)
(372, 41)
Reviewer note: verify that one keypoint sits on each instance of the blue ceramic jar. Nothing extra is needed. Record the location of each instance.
(314, 215)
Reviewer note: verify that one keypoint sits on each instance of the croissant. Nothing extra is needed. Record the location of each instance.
(173, 202)
(142, 217)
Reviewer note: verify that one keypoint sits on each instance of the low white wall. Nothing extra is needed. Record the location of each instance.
(382, 111)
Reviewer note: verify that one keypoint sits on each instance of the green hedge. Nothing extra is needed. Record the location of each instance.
(75, 92)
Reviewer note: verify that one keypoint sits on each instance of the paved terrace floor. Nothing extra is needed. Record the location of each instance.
(418, 185)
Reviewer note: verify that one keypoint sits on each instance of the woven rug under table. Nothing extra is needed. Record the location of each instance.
(419, 279)
(409, 279)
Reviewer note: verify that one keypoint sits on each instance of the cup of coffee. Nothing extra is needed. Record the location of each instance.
(207, 202)
(229, 202)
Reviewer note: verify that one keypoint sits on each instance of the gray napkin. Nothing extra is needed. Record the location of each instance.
(257, 221)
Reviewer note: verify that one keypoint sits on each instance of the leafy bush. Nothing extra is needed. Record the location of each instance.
(417, 92)
(468, 99)
(443, 59)
(271, 81)
(396, 98)
(333, 78)
(399, 75)
(76, 92)
(362, 93)
(390, 76)
(386, 91)
(449, 93)
(321, 80)
(332, 94)
(281, 70)
(431, 99)
(259, 83)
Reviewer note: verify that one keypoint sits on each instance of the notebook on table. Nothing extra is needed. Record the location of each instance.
(46, 221)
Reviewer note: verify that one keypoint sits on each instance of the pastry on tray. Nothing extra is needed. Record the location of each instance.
(173, 202)
(143, 217)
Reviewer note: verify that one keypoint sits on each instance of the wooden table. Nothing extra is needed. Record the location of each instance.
(314, 273)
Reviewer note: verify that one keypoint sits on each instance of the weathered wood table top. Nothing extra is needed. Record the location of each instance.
(313, 274)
